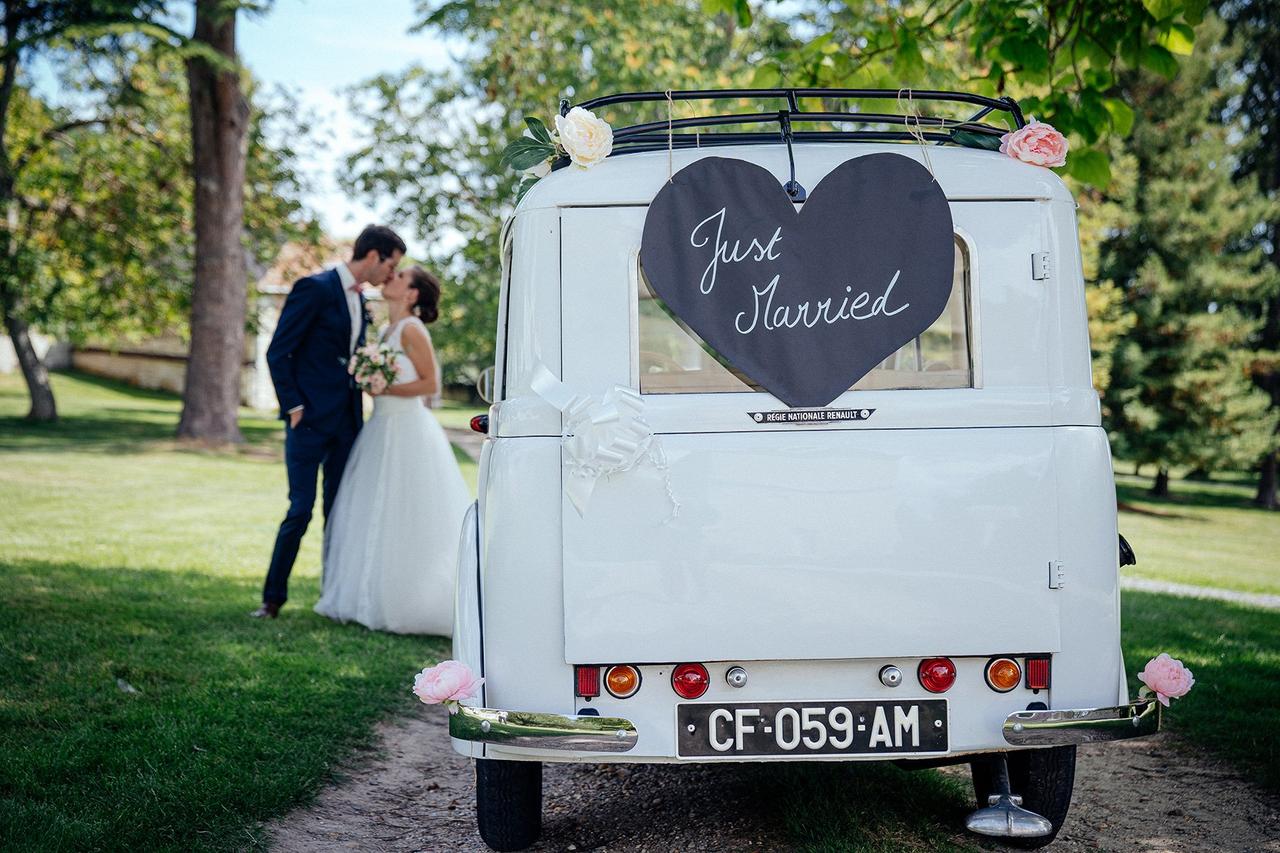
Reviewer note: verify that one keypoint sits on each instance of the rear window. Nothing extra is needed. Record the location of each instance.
(674, 360)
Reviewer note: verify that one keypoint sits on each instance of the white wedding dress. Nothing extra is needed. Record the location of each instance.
(391, 546)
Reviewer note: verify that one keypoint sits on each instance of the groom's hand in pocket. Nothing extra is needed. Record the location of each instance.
(295, 417)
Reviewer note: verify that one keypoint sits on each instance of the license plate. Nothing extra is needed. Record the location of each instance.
(811, 728)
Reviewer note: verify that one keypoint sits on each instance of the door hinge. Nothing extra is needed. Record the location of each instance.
(1040, 268)
(1057, 574)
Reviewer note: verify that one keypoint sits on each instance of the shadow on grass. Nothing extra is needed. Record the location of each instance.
(1185, 494)
(116, 431)
(873, 807)
(235, 720)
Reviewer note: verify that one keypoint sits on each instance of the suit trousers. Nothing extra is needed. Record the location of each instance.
(306, 452)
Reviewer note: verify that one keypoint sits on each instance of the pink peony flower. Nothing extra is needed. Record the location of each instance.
(1167, 678)
(445, 684)
(377, 383)
(1038, 144)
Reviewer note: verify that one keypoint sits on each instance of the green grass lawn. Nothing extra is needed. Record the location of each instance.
(1205, 533)
(128, 560)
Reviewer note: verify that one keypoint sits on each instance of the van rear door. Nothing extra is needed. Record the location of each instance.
(925, 523)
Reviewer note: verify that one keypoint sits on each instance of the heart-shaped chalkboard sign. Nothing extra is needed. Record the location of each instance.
(804, 302)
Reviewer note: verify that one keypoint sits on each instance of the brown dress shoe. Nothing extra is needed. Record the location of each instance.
(269, 609)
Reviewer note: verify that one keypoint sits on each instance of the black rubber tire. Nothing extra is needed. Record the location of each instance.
(1043, 777)
(508, 802)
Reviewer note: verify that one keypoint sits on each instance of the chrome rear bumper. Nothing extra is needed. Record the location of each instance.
(1082, 725)
(543, 731)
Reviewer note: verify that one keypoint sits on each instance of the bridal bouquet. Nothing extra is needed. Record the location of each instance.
(374, 367)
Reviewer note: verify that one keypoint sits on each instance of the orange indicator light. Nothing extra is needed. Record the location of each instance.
(622, 681)
(1003, 674)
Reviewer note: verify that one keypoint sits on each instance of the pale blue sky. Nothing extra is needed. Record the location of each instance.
(319, 48)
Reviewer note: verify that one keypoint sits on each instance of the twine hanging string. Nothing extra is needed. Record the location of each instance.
(669, 143)
(913, 127)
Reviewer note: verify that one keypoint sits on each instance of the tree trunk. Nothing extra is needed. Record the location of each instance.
(1160, 488)
(43, 407)
(219, 121)
(1266, 496)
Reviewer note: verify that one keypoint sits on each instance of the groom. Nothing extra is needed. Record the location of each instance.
(322, 323)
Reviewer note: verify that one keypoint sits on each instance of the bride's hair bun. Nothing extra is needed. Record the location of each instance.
(428, 286)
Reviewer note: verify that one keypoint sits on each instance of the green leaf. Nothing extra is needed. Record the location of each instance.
(1091, 167)
(766, 76)
(1193, 11)
(969, 139)
(1158, 59)
(1161, 9)
(908, 62)
(1025, 52)
(524, 152)
(1179, 39)
(538, 129)
(1121, 116)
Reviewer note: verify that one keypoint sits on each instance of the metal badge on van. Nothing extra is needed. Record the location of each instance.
(810, 416)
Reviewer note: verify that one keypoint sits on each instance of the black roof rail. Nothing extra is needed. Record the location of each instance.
(659, 135)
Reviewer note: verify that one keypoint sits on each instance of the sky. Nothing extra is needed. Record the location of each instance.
(320, 48)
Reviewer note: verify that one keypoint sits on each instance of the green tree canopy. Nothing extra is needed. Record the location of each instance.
(1181, 391)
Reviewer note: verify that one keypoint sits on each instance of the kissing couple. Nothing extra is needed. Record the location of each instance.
(394, 498)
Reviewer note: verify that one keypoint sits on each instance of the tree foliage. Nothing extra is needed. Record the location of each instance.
(1060, 58)
(435, 138)
(1181, 391)
(1255, 25)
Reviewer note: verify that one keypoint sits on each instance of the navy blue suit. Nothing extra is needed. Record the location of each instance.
(308, 361)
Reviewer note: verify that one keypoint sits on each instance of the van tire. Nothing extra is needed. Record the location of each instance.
(1043, 777)
(508, 802)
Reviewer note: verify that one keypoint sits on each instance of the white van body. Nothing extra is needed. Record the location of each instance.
(968, 522)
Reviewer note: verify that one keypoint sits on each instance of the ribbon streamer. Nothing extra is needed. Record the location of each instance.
(601, 437)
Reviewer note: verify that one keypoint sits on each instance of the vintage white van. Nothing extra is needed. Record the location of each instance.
(922, 570)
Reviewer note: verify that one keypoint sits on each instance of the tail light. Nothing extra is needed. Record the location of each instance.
(480, 423)
(621, 681)
(1038, 672)
(937, 674)
(587, 681)
(1003, 674)
(690, 680)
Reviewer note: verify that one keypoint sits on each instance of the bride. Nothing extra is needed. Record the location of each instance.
(391, 545)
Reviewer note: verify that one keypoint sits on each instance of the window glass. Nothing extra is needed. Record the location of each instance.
(674, 360)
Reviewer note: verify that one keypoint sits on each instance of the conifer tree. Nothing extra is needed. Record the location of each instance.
(1181, 391)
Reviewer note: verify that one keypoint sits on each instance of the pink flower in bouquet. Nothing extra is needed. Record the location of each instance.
(377, 383)
(1038, 144)
(1167, 678)
(445, 684)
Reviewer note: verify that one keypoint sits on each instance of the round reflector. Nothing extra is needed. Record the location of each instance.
(1003, 674)
(690, 680)
(621, 681)
(937, 674)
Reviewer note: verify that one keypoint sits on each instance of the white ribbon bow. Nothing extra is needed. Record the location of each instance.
(601, 437)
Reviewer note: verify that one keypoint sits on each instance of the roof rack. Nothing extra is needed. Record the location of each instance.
(661, 135)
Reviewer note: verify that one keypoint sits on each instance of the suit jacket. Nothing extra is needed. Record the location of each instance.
(309, 351)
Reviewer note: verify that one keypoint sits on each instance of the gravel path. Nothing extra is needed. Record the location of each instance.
(1253, 599)
(414, 793)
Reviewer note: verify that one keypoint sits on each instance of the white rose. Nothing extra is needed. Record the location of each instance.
(541, 170)
(586, 139)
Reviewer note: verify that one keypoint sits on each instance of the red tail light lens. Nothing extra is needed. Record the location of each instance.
(586, 681)
(480, 423)
(690, 680)
(1038, 672)
(937, 674)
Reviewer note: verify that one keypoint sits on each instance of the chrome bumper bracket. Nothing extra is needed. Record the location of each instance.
(537, 730)
(1082, 725)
